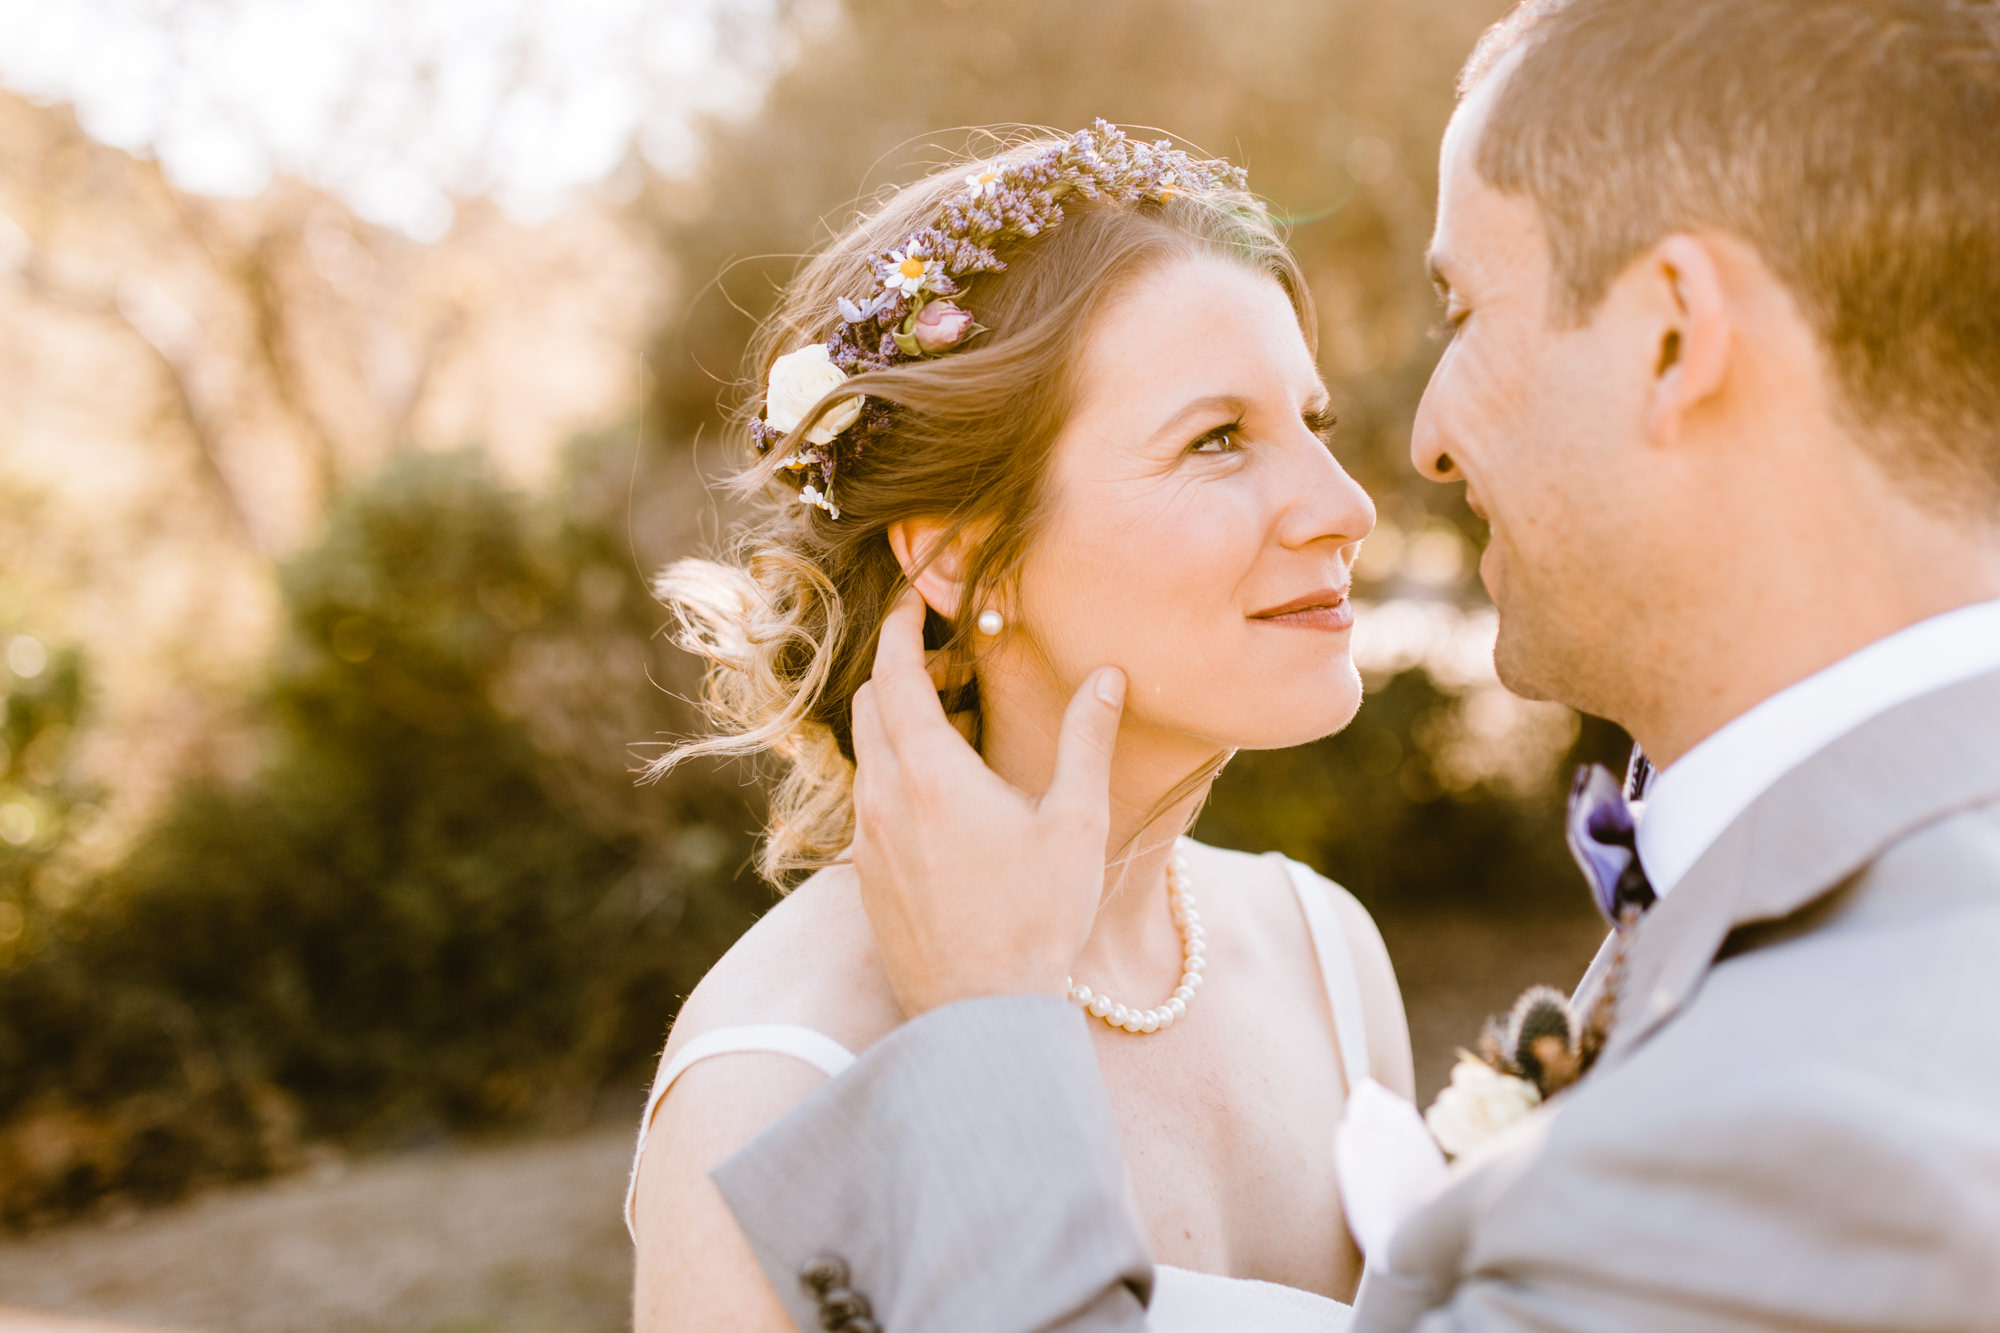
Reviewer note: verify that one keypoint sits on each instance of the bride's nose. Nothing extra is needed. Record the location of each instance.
(1323, 503)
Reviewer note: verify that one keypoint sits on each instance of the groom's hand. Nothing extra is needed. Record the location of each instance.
(973, 886)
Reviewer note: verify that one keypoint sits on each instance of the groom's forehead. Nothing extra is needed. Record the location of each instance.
(1475, 108)
(1468, 233)
(1459, 182)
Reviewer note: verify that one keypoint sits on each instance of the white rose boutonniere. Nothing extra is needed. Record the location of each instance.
(800, 379)
(1479, 1102)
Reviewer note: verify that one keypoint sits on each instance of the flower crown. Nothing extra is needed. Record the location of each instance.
(908, 315)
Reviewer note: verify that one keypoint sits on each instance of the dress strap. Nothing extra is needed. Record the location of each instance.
(1336, 967)
(801, 1043)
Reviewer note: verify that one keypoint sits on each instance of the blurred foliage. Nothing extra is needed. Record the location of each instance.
(415, 916)
(40, 796)
(1371, 808)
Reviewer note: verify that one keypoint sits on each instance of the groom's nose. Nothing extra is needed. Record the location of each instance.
(1429, 448)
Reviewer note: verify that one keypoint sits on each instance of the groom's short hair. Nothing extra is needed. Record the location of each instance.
(1854, 143)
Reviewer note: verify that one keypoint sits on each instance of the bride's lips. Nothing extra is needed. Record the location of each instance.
(1326, 608)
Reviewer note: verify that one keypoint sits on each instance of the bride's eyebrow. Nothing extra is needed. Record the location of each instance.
(1224, 404)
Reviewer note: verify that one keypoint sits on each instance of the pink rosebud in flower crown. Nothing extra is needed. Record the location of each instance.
(941, 326)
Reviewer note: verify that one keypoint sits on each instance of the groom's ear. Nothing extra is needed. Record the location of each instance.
(1695, 333)
(935, 559)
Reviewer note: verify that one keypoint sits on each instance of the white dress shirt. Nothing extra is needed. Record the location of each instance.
(1689, 804)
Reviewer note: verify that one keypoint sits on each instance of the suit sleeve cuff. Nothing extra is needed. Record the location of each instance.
(967, 1174)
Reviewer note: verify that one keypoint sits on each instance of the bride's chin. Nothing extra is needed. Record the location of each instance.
(1304, 719)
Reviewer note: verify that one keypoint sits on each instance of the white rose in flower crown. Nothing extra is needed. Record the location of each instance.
(1479, 1103)
(800, 379)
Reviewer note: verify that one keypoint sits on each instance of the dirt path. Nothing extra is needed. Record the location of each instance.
(518, 1239)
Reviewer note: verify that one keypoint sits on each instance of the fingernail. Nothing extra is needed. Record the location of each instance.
(1111, 686)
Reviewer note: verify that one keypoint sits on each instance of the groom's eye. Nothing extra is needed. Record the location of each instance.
(1449, 324)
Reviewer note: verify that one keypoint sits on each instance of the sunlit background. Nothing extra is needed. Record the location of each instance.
(359, 358)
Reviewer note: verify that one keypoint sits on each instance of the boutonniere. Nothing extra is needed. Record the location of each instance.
(1541, 1047)
(1544, 1044)
(1521, 1061)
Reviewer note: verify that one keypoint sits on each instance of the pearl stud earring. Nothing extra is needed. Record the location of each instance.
(990, 622)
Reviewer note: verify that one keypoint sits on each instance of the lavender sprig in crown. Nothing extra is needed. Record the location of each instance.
(910, 313)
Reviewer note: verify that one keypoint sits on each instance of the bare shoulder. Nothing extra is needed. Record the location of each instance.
(809, 961)
(1267, 890)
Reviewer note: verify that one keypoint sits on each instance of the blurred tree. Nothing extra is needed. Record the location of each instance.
(190, 380)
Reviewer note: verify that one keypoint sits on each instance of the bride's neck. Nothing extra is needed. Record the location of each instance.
(1157, 781)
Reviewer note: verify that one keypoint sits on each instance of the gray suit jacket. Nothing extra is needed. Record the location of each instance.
(1795, 1124)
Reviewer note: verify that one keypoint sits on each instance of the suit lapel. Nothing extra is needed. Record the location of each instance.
(1815, 828)
(1584, 998)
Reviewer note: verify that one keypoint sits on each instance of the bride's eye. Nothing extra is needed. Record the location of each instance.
(1321, 422)
(1221, 440)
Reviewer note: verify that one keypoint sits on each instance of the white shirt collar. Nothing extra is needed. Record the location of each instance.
(1688, 805)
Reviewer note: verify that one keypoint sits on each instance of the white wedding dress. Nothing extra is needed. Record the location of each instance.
(1184, 1301)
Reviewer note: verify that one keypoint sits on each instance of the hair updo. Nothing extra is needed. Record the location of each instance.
(787, 619)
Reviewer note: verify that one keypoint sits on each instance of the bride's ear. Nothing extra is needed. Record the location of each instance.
(935, 560)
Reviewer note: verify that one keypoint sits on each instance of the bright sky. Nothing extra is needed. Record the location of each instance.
(399, 104)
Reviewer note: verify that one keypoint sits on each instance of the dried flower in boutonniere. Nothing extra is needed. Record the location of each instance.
(1522, 1061)
(1541, 1047)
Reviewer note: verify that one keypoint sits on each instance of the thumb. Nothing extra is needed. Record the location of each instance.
(1089, 734)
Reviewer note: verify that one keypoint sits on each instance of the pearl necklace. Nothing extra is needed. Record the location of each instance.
(1180, 901)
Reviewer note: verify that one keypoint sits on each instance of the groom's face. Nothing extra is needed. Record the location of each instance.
(1541, 418)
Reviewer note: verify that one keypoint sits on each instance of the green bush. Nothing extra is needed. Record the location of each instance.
(1369, 807)
(421, 914)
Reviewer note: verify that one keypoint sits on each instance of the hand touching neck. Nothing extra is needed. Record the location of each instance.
(1158, 780)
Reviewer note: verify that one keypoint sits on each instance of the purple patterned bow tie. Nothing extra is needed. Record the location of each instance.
(1604, 839)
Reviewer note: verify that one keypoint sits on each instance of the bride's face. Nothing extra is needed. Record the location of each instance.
(1200, 532)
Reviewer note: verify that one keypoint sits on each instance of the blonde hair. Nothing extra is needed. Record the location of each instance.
(787, 619)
